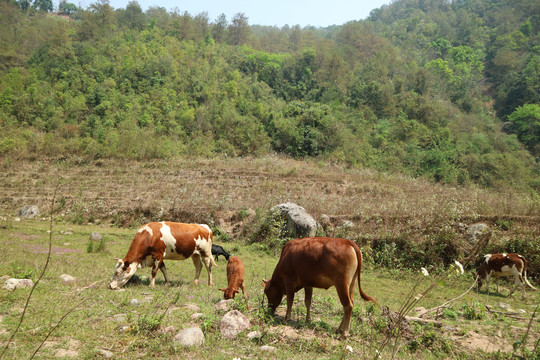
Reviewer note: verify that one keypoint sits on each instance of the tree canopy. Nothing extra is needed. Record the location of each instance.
(444, 90)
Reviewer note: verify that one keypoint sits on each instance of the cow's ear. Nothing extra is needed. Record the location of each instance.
(118, 260)
(222, 289)
(264, 282)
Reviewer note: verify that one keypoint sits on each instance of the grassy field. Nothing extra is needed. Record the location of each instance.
(114, 199)
(98, 318)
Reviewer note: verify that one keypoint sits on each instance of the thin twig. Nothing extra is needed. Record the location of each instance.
(55, 326)
(40, 276)
(528, 330)
(448, 302)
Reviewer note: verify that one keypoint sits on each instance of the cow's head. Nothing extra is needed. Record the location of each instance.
(123, 271)
(274, 293)
(229, 293)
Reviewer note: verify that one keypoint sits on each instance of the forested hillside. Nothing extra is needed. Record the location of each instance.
(431, 88)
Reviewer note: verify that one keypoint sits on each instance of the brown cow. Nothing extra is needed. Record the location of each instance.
(157, 241)
(504, 265)
(235, 279)
(318, 262)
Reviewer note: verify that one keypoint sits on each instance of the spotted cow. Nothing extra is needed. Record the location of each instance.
(157, 241)
(504, 265)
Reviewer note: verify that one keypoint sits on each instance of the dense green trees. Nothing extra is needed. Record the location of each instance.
(449, 91)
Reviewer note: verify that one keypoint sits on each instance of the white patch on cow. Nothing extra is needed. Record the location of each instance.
(170, 243)
(486, 258)
(146, 228)
(206, 227)
(203, 244)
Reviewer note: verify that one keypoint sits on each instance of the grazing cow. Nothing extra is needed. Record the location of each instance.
(318, 262)
(504, 265)
(235, 279)
(218, 250)
(157, 241)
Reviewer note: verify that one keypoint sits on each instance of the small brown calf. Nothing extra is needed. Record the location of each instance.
(235, 279)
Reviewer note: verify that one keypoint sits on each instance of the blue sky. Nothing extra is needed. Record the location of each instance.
(273, 12)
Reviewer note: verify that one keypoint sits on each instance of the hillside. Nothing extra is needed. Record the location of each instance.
(430, 89)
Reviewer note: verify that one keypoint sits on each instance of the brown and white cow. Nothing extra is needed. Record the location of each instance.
(318, 262)
(504, 265)
(157, 241)
(235, 279)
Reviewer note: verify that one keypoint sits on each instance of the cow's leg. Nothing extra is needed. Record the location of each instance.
(164, 271)
(198, 267)
(497, 282)
(155, 268)
(290, 299)
(343, 293)
(243, 286)
(208, 265)
(308, 295)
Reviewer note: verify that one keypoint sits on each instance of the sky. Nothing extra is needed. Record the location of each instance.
(270, 12)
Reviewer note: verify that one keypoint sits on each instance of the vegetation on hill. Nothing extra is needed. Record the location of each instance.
(446, 91)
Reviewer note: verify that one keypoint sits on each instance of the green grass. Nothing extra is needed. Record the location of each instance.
(106, 319)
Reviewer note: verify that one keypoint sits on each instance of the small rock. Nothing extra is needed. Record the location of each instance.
(28, 212)
(95, 236)
(191, 307)
(12, 284)
(503, 305)
(190, 336)
(67, 278)
(521, 311)
(224, 305)
(105, 353)
(135, 302)
(169, 329)
(254, 335)
(196, 316)
(119, 317)
(268, 348)
(233, 323)
(65, 353)
(124, 328)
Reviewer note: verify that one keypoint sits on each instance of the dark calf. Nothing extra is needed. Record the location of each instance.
(218, 250)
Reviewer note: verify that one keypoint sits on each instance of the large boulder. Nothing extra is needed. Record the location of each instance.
(233, 323)
(28, 211)
(299, 223)
(476, 232)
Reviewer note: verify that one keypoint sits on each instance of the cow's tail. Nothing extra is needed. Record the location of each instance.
(358, 271)
(525, 273)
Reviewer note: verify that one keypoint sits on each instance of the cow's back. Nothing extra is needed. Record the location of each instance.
(317, 262)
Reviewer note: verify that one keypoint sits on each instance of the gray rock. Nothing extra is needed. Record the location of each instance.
(28, 211)
(233, 323)
(190, 336)
(347, 224)
(95, 236)
(192, 307)
(196, 316)
(299, 222)
(67, 278)
(224, 305)
(268, 348)
(105, 353)
(477, 231)
(135, 302)
(254, 335)
(12, 284)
